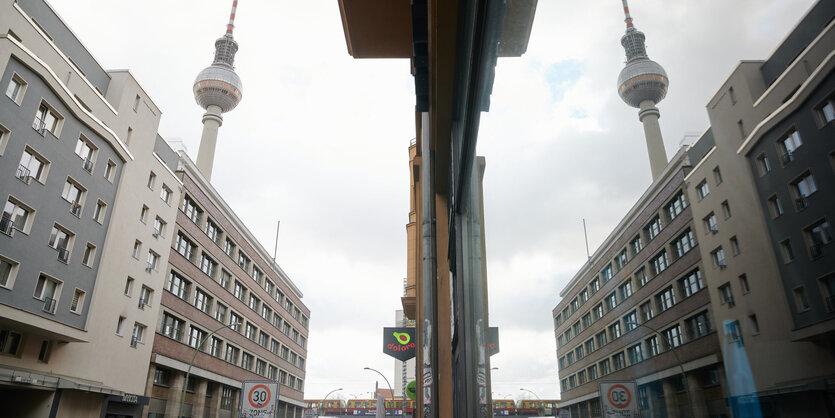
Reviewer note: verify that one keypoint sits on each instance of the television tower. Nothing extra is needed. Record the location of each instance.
(218, 90)
(642, 84)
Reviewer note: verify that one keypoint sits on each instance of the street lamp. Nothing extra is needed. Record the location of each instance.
(326, 397)
(390, 389)
(188, 372)
(680, 365)
(539, 409)
(494, 368)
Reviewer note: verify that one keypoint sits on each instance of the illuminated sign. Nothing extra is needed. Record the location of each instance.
(492, 341)
(399, 343)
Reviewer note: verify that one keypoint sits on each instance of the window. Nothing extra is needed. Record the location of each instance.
(145, 296)
(597, 311)
(251, 331)
(575, 327)
(195, 338)
(256, 275)
(261, 367)
(734, 245)
(202, 301)
(274, 346)
(698, 325)
(272, 372)
(743, 283)
(570, 357)
(184, 246)
(32, 166)
(646, 311)
(630, 321)
(110, 171)
(592, 370)
(653, 348)
(684, 243)
(229, 247)
(676, 206)
(220, 312)
(786, 249)
(802, 188)
(800, 300)
(710, 223)
(159, 227)
(269, 286)
(207, 265)
(243, 260)
(172, 326)
(16, 216)
(266, 312)
(600, 338)
(625, 289)
(77, 303)
(153, 261)
(619, 360)
(659, 263)
(178, 285)
(595, 285)
(702, 189)
(587, 320)
(621, 259)
(788, 145)
(605, 367)
(16, 89)
(101, 210)
(137, 247)
(733, 332)
(47, 119)
(4, 138)
(231, 354)
(825, 111)
(774, 206)
(726, 209)
(666, 299)
(138, 335)
(653, 228)
(572, 381)
(606, 273)
(73, 193)
(227, 397)
(212, 231)
(641, 277)
(755, 325)
(143, 214)
(8, 272)
(254, 302)
(214, 347)
(574, 305)
(239, 291)
(285, 352)
(614, 331)
(165, 194)
(817, 236)
(581, 377)
(718, 256)
(152, 178)
(225, 279)
(636, 353)
(86, 151)
(589, 345)
(717, 175)
(672, 336)
(636, 245)
(129, 286)
(611, 301)
(726, 295)
(89, 255)
(10, 342)
(692, 283)
(763, 166)
(136, 103)
(237, 320)
(61, 240)
(162, 377)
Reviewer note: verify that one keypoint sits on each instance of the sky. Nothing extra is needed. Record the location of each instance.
(320, 143)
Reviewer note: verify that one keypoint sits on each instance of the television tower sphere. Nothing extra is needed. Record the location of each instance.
(642, 79)
(218, 84)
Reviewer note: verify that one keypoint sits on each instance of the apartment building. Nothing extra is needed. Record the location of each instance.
(82, 244)
(760, 192)
(637, 311)
(228, 306)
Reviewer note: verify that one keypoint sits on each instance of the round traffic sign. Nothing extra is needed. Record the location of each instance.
(619, 396)
(259, 396)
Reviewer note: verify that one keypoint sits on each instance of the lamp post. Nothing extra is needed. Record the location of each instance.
(191, 363)
(680, 365)
(326, 397)
(539, 408)
(389, 385)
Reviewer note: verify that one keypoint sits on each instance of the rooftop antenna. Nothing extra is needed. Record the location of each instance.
(584, 222)
(628, 19)
(231, 24)
(278, 225)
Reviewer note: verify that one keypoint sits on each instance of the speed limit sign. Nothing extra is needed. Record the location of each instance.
(618, 399)
(259, 399)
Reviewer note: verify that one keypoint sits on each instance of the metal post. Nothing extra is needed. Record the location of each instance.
(537, 397)
(389, 385)
(326, 398)
(191, 363)
(680, 365)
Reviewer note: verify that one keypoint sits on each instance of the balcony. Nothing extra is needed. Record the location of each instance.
(23, 174)
(49, 305)
(801, 203)
(75, 208)
(63, 255)
(7, 226)
(87, 165)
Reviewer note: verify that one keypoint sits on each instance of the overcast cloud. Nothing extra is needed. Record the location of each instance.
(320, 142)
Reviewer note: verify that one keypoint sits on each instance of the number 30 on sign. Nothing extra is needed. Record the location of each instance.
(259, 399)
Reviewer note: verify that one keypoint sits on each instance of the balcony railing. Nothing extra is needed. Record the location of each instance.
(39, 125)
(156, 233)
(88, 165)
(49, 305)
(801, 203)
(134, 341)
(63, 255)
(142, 303)
(787, 158)
(75, 208)
(149, 267)
(7, 226)
(816, 250)
(23, 173)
